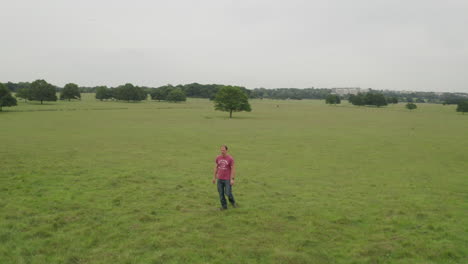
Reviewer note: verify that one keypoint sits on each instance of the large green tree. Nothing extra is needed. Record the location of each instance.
(462, 107)
(42, 91)
(6, 99)
(70, 91)
(176, 95)
(231, 99)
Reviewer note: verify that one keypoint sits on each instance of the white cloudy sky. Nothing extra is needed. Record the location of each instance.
(383, 44)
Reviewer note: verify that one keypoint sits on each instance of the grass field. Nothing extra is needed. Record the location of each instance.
(112, 182)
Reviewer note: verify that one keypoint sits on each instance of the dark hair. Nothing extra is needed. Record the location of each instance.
(226, 147)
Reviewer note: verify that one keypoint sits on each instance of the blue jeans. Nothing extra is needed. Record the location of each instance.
(224, 186)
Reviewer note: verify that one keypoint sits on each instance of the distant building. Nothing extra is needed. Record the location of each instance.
(406, 92)
(348, 90)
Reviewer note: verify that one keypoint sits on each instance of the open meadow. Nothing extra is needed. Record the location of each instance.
(114, 182)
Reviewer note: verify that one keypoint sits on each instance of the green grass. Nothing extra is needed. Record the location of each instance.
(111, 182)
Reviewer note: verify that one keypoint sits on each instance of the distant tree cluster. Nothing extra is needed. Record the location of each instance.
(6, 99)
(168, 93)
(39, 90)
(392, 100)
(453, 99)
(196, 90)
(23, 93)
(373, 98)
(411, 106)
(14, 87)
(193, 90)
(333, 99)
(462, 106)
(70, 91)
(103, 93)
(370, 98)
(427, 97)
(127, 92)
(290, 93)
(176, 95)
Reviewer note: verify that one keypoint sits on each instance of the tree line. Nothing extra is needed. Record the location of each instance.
(378, 99)
(425, 97)
(227, 98)
(6, 99)
(371, 98)
(290, 93)
(196, 90)
(360, 99)
(40, 90)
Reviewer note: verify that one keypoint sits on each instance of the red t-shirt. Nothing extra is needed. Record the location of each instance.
(224, 166)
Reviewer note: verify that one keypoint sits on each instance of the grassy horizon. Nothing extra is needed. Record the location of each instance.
(115, 182)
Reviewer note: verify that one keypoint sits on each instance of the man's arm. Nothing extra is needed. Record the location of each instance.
(233, 173)
(215, 173)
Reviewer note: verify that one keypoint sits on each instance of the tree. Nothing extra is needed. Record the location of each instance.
(333, 99)
(449, 98)
(411, 106)
(102, 92)
(176, 95)
(392, 100)
(13, 87)
(23, 93)
(370, 98)
(6, 99)
(42, 91)
(357, 99)
(376, 99)
(165, 91)
(157, 94)
(70, 91)
(231, 99)
(129, 92)
(462, 107)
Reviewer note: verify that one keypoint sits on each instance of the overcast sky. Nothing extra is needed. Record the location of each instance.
(419, 45)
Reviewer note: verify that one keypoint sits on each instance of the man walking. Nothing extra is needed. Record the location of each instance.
(224, 171)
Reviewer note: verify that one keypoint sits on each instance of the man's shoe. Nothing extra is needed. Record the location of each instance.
(234, 205)
(222, 208)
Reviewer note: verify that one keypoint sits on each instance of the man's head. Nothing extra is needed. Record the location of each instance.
(224, 150)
